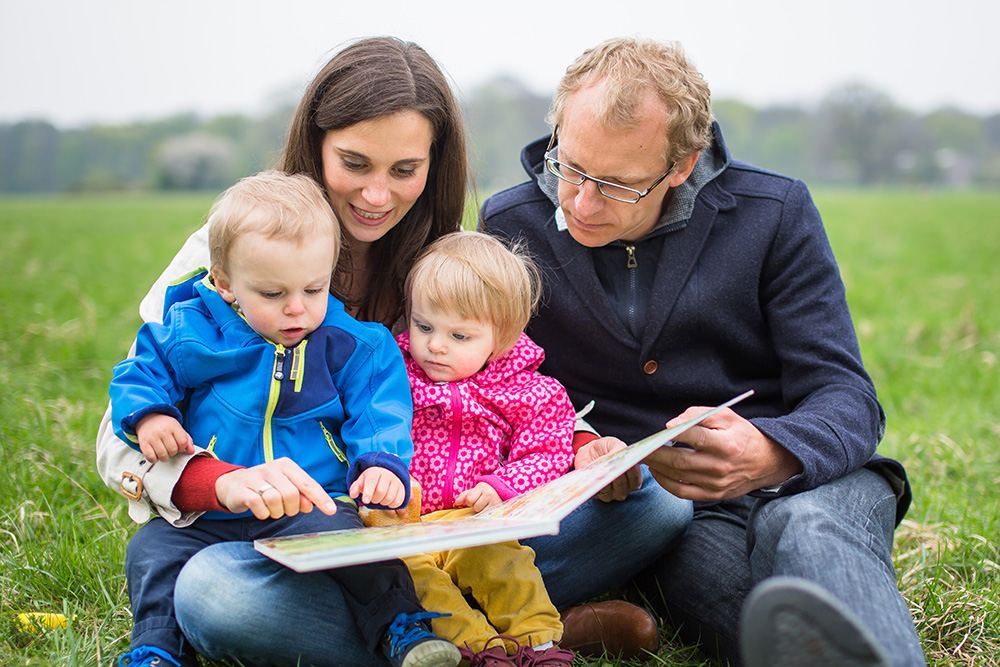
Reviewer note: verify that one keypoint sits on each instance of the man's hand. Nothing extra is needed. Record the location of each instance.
(620, 487)
(730, 458)
(272, 490)
(378, 486)
(479, 497)
(161, 436)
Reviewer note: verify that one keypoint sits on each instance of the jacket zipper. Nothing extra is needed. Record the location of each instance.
(632, 280)
(333, 444)
(296, 373)
(454, 441)
(272, 399)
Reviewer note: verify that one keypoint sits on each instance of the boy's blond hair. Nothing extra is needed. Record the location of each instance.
(477, 277)
(274, 204)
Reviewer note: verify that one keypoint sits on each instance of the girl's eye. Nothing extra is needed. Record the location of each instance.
(424, 327)
(459, 336)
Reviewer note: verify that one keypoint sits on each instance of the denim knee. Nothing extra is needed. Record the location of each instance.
(858, 509)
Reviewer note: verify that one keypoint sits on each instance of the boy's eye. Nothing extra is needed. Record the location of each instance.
(270, 295)
(314, 290)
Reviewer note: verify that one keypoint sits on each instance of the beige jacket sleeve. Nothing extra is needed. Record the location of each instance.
(149, 487)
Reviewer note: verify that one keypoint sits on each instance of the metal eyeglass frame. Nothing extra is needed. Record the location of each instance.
(554, 165)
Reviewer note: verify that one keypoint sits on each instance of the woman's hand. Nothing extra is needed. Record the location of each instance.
(272, 490)
(378, 486)
(479, 497)
(620, 487)
(730, 458)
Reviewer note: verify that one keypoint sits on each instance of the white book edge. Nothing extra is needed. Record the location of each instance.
(536, 512)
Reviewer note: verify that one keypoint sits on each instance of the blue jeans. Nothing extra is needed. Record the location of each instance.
(374, 593)
(233, 603)
(838, 535)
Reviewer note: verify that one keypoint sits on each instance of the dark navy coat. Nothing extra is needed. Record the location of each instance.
(742, 294)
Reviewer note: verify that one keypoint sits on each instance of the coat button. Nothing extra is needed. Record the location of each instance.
(650, 367)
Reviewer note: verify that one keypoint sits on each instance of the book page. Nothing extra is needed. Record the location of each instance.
(536, 512)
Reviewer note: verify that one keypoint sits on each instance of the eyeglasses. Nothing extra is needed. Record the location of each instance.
(609, 190)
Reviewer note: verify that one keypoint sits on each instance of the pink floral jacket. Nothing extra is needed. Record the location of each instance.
(508, 425)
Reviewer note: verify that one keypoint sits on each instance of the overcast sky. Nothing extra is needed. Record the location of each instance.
(80, 61)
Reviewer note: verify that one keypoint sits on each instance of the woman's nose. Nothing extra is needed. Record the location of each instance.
(376, 192)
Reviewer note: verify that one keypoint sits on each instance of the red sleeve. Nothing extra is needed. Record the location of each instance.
(580, 438)
(195, 490)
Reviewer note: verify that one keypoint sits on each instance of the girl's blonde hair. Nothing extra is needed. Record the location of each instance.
(275, 205)
(477, 277)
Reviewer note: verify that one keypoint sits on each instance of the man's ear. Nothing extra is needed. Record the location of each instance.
(222, 286)
(682, 170)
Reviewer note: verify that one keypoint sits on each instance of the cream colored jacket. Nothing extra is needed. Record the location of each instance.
(116, 459)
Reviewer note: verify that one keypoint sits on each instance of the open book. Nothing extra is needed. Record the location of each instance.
(537, 512)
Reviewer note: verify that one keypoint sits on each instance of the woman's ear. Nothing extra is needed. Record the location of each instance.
(222, 286)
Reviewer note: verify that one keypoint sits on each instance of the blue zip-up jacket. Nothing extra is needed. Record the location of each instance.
(741, 291)
(336, 403)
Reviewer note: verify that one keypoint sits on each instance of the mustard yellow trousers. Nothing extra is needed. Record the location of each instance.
(501, 578)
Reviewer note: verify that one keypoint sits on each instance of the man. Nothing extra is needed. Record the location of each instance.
(678, 276)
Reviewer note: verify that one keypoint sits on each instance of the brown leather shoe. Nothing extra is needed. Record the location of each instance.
(615, 626)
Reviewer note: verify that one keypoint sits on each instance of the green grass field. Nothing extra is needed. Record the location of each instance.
(922, 271)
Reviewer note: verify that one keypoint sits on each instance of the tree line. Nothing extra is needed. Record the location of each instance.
(855, 136)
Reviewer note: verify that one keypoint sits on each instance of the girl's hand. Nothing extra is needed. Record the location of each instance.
(161, 436)
(378, 486)
(272, 490)
(629, 481)
(479, 497)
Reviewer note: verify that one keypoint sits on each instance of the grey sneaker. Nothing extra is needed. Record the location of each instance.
(792, 622)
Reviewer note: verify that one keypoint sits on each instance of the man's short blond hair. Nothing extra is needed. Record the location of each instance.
(275, 205)
(477, 277)
(632, 67)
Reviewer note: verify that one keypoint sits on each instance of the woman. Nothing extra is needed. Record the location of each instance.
(380, 130)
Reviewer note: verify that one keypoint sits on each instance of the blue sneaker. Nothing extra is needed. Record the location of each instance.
(147, 656)
(409, 643)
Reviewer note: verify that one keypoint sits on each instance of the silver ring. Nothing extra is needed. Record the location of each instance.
(264, 488)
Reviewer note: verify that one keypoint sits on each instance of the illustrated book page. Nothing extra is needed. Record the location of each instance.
(536, 512)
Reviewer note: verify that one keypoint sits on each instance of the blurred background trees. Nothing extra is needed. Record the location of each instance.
(855, 136)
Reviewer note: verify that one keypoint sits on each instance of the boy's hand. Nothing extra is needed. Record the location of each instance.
(161, 436)
(378, 486)
(479, 497)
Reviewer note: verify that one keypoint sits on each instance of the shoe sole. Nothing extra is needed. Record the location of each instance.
(432, 654)
(792, 622)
